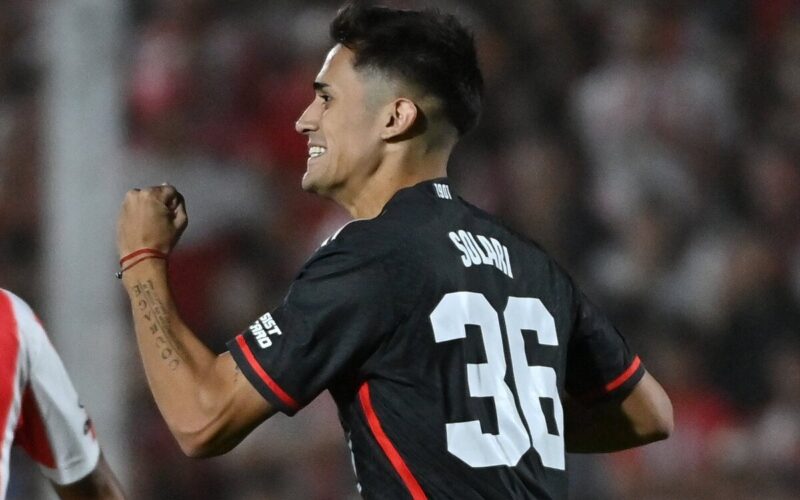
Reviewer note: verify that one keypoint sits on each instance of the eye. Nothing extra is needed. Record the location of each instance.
(325, 98)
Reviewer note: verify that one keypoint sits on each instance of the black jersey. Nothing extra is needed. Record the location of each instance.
(446, 341)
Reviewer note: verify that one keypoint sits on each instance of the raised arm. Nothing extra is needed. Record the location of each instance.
(643, 416)
(204, 399)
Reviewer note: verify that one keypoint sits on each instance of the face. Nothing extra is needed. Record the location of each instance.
(343, 126)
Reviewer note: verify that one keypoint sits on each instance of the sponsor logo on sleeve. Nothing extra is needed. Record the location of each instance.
(263, 329)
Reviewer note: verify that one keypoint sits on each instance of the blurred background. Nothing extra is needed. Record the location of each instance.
(653, 147)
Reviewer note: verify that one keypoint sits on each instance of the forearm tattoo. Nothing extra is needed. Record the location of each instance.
(155, 316)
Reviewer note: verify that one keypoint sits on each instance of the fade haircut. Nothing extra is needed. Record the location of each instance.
(428, 49)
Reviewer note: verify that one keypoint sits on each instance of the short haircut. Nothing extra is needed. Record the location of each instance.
(428, 49)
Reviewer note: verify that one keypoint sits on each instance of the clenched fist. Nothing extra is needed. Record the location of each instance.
(151, 218)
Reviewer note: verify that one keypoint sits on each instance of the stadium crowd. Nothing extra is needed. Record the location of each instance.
(652, 146)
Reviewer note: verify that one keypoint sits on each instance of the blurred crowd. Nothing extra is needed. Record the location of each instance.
(651, 146)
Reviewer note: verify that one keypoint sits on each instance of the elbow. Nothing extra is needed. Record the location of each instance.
(665, 424)
(193, 449)
(661, 423)
(199, 445)
(201, 433)
(650, 411)
(659, 432)
(202, 437)
(194, 446)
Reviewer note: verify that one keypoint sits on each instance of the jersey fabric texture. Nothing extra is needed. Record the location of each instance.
(446, 340)
(39, 408)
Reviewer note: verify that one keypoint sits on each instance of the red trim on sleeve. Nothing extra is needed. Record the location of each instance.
(624, 376)
(274, 387)
(31, 432)
(388, 448)
(9, 347)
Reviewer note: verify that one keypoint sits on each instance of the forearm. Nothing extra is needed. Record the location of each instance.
(205, 400)
(207, 404)
(176, 362)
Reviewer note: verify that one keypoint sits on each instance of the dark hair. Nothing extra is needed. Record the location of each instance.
(427, 48)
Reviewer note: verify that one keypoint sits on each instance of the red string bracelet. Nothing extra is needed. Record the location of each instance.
(146, 253)
(139, 252)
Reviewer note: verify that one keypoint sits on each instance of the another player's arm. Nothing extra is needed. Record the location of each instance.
(100, 484)
(642, 417)
(207, 403)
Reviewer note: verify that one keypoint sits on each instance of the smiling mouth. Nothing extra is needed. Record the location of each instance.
(316, 151)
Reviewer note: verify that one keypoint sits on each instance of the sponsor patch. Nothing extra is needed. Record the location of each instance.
(263, 329)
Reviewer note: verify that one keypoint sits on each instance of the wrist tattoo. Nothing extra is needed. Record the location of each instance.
(157, 320)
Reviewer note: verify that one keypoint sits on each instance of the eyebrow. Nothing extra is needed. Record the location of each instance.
(320, 86)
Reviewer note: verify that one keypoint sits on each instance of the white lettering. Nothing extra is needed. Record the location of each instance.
(498, 248)
(270, 325)
(493, 260)
(470, 244)
(261, 335)
(263, 328)
(442, 191)
(489, 251)
(457, 242)
(484, 258)
(507, 262)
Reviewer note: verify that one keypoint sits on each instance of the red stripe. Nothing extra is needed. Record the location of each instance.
(31, 433)
(9, 347)
(274, 387)
(625, 375)
(388, 448)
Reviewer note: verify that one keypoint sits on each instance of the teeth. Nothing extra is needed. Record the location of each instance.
(315, 151)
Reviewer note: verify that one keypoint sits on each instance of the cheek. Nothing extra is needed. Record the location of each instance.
(362, 136)
(350, 140)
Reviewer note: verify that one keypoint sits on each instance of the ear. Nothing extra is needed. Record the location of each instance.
(402, 115)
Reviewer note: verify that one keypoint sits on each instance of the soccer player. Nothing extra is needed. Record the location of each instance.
(40, 412)
(464, 361)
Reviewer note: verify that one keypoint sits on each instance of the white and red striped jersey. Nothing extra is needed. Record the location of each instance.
(39, 407)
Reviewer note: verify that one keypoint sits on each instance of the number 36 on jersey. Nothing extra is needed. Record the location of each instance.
(465, 440)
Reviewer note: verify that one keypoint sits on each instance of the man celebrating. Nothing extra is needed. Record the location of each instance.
(463, 360)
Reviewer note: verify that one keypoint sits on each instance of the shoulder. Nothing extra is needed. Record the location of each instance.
(16, 311)
(379, 237)
(354, 247)
(20, 328)
(375, 249)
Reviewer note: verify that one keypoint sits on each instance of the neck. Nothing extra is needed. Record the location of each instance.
(393, 174)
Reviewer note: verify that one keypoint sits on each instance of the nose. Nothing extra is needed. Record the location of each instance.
(307, 121)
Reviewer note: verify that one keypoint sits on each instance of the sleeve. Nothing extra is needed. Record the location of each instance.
(600, 364)
(54, 428)
(334, 316)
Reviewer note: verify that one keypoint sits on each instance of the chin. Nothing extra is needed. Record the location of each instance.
(311, 185)
(306, 184)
